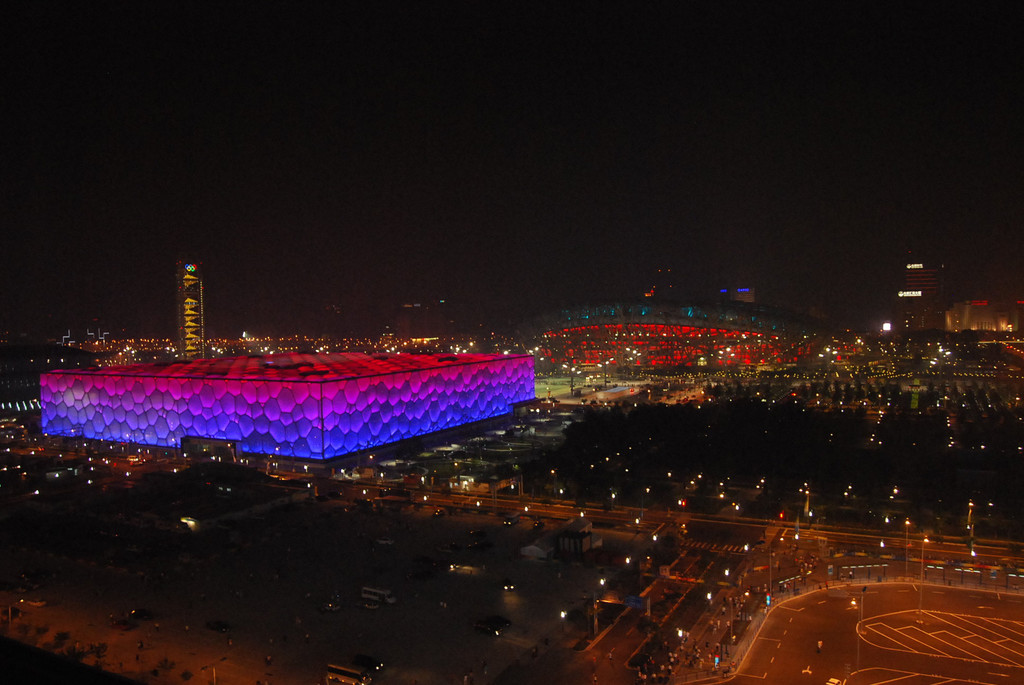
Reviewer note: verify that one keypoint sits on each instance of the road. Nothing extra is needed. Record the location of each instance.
(960, 636)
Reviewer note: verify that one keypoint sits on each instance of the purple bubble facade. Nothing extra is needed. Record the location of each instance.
(314, 406)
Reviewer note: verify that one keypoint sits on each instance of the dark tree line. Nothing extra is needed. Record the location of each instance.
(742, 439)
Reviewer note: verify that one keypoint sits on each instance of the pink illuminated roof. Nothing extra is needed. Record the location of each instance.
(297, 367)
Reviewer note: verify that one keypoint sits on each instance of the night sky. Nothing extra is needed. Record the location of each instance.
(327, 162)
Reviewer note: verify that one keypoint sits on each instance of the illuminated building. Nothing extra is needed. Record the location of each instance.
(920, 300)
(630, 336)
(983, 315)
(737, 294)
(191, 318)
(315, 406)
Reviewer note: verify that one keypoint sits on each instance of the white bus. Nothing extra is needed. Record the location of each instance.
(379, 595)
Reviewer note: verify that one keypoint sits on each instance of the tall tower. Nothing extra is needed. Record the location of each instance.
(191, 321)
(921, 300)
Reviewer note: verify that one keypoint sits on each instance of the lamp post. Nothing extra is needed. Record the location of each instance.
(860, 619)
(906, 549)
(920, 601)
(970, 526)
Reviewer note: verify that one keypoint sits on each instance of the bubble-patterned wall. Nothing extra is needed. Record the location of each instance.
(301, 405)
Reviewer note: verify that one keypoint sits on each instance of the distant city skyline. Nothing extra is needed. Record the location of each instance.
(329, 163)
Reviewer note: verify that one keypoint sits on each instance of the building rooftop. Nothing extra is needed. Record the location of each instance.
(297, 367)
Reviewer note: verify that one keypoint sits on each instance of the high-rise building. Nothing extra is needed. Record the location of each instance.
(422, 320)
(920, 300)
(191, 318)
(736, 295)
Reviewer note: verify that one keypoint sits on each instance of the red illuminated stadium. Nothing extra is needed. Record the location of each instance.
(668, 336)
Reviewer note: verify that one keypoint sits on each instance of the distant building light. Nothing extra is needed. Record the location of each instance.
(915, 266)
(910, 293)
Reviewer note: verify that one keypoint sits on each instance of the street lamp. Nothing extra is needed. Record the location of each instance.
(970, 526)
(906, 549)
(860, 608)
(920, 601)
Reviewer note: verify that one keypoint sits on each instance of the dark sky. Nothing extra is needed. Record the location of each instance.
(329, 161)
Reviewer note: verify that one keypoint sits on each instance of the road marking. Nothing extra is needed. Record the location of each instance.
(985, 607)
(807, 670)
(821, 602)
(1004, 675)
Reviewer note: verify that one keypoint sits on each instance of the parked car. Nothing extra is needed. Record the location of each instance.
(141, 614)
(218, 626)
(420, 574)
(367, 662)
(492, 624)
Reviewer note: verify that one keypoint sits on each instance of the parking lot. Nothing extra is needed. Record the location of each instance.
(268, 589)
